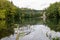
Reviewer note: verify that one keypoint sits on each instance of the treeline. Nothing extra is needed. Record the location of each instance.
(53, 16)
(53, 11)
(7, 12)
(10, 12)
(29, 13)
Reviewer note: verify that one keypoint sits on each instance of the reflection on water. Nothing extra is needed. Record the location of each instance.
(29, 25)
(54, 24)
(41, 32)
(30, 21)
(5, 30)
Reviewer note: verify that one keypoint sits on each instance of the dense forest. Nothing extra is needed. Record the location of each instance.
(10, 15)
(53, 11)
(7, 12)
(53, 15)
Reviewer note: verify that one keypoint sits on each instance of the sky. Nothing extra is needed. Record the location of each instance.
(33, 4)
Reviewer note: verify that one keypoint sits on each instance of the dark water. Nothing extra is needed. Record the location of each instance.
(53, 24)
(6, 29)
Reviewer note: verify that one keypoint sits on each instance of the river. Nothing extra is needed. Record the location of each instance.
(36, 29)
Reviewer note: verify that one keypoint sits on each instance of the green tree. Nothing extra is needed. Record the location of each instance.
(7, 12)
(53, 11)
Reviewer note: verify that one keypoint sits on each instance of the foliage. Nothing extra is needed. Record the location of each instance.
(55, 38)
(53, 11)
(7, 10)
(30, 13)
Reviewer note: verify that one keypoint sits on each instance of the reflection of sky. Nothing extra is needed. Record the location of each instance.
(39, 32)
(34, 4)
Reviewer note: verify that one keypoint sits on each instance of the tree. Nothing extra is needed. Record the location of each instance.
(7, 12)
(53, 11)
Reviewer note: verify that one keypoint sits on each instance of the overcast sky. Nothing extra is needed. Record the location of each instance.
(33, 4)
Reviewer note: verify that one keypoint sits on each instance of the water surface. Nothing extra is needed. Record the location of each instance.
(36, 29)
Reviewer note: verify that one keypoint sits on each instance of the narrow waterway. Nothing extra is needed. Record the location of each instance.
(36, 32)
(40, 33)
(35, 29)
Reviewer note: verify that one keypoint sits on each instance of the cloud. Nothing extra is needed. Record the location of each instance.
(34, 4)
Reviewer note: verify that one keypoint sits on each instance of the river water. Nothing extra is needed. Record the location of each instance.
(36, 29)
